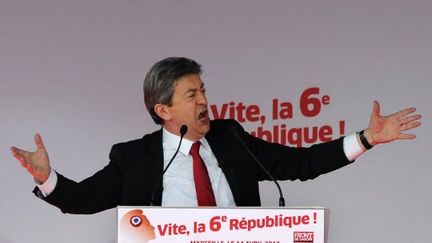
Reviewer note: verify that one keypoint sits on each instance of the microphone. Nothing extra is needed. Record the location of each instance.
(157, 185)
(281, 197)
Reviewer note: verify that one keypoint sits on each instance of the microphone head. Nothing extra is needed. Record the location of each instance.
(183, 130)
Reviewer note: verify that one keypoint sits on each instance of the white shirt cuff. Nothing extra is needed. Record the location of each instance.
(352, 147)
(49, 185)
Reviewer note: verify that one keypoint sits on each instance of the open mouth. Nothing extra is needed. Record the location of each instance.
(203, 115)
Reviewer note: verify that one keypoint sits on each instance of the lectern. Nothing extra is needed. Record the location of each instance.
(221, 225)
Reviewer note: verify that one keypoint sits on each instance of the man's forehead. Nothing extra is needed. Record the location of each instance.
(190, 81)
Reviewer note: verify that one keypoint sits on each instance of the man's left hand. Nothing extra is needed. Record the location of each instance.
(385, 129)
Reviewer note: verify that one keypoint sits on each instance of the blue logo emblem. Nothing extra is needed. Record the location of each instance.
(136, 221)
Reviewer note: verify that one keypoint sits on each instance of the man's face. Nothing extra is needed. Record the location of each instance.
(189, 107)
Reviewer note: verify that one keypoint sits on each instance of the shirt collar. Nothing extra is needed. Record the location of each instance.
(171, 141)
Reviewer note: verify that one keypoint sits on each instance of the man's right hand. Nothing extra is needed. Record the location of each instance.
(37, 162)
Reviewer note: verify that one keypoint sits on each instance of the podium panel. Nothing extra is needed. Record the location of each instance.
(220, 225)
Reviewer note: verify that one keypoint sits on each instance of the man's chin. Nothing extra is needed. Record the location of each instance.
(203, 128)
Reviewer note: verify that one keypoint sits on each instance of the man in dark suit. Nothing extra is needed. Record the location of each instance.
(175, 96)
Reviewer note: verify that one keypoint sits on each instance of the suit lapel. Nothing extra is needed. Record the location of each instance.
(226, 160)
(156, 167)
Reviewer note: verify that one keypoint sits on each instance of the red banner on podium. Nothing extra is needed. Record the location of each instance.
(221, 225)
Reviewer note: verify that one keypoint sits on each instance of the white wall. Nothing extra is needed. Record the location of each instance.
(73, 71)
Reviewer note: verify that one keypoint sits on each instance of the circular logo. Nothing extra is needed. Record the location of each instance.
(135, 221)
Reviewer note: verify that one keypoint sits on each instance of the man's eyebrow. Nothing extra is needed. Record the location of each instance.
(193, 89)
(189, 91)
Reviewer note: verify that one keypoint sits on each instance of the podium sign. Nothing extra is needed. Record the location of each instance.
(220, 225)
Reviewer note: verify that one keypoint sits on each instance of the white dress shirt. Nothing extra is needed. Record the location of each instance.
(178, 181)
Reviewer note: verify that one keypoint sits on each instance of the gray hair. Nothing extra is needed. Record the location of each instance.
(160, 81)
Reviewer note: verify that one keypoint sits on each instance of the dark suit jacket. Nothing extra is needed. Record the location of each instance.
(130, 176)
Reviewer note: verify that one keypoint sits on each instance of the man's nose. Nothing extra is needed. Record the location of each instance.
(202, 99)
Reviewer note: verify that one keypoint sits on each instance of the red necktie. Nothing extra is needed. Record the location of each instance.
(203, 186)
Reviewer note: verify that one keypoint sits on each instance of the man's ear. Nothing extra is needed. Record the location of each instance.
(162, 111)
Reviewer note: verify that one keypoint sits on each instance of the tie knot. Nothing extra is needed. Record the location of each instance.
(195, 148)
